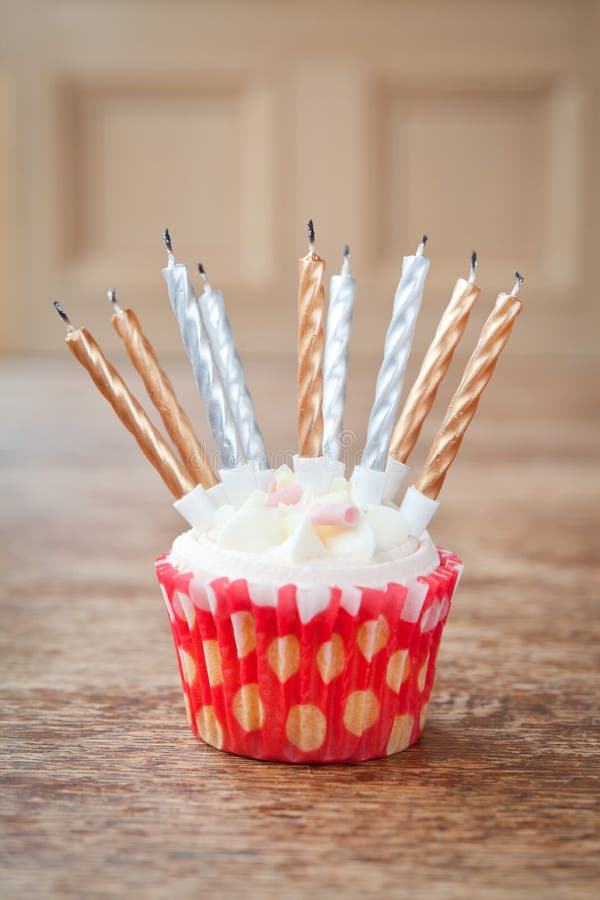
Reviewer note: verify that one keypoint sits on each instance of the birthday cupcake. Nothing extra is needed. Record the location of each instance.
(307, 629)
(306, 608)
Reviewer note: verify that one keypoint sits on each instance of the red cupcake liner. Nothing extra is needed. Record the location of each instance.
(344, 675)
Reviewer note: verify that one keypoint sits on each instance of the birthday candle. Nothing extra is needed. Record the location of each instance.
(398, 343)
(108, 381)
(462, 408)
(311, 314)
(197, 345)
(161, 392)
(231, 370)
(335, 360)
(435, 365)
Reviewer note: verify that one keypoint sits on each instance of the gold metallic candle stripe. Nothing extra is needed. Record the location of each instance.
(108, 381)
(311, 317)
(433, 369)
(463, 405)
(161, 392)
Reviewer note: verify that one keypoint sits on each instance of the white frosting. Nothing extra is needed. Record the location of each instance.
(194, 552)
(282, 542)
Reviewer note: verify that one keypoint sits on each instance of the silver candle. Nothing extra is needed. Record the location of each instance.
(231, 370)
(197, 345)
(398, 342)
(335, 360)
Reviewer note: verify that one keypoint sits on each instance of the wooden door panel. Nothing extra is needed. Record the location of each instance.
(233, 122)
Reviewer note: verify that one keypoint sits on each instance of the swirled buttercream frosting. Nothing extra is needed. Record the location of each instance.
(290, 535)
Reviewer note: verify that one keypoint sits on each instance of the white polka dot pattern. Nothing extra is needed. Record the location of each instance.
(422, 676)
(188, 664)
(284, 656)
(209, 728)
(188, 608)
(351, 682)
(373, 636)
(248, 708)
(306, 727)
(212, 657)
(331, 658)
(361, 711)
(244, 632)
(398, 669)
(400, 734)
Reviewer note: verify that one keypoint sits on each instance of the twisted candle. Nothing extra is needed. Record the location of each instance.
(231, 371)
(108, 381)
(434, 366)
(161, 392)
(398, 342)
(335, 360)
(311, 313)
(197, 345)
(478, 371)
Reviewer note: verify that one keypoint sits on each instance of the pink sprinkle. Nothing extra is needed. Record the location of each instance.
(335, 514)
(289, 494)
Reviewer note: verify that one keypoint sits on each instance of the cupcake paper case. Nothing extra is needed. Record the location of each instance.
(307, 674)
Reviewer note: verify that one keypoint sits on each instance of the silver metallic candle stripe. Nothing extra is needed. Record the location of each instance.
(398, 342)
(231, 370)
(197, 345)
(335, 360)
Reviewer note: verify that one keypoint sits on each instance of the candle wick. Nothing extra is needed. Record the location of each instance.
(169, 246)
(205, 283)
(58, 307)
(311, 236)
(421, 246)
(518, 282)
(346, 263)
(112, 296)
(473, 267)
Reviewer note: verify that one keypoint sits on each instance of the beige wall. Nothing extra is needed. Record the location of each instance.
(233, 122)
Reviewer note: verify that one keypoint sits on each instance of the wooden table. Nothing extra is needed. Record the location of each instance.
(105, 793)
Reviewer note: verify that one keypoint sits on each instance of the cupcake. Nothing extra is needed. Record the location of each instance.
(306, 628)
(306, 609)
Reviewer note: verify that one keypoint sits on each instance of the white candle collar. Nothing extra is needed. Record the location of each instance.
(367, 486)
(196, 507)
(239, 482)
(396, 473)
(317, 472)
(418, 510)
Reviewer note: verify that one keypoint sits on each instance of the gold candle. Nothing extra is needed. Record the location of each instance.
(108, 381)
(479, 370)
(160, 390)
(434, 366)
(311, 317)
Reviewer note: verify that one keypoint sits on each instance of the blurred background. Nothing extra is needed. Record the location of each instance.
(233, 122)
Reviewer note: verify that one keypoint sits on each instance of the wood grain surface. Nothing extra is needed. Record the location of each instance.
(106, 793)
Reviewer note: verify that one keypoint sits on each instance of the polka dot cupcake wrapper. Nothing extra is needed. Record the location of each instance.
(302, 675)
